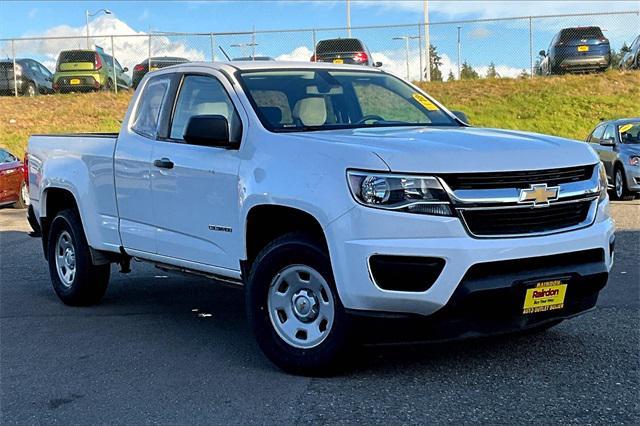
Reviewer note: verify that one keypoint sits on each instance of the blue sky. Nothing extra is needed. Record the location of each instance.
(502, 42)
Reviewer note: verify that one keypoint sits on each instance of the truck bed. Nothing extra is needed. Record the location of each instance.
(83, 165)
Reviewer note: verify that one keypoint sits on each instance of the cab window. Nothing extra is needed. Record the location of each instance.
(145, 122)
(204, 95)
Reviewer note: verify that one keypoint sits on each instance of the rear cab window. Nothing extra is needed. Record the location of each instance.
(145, 121)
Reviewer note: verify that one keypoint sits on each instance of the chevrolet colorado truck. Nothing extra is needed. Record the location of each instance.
(332, 193)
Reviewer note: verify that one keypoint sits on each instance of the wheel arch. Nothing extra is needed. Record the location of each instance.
(53, 201)
(265, 222)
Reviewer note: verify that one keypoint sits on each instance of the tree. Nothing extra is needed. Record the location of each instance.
(467, 72)
(451, 77)
(616, 57)
(435, 63)
(491, 72)
(524, 74)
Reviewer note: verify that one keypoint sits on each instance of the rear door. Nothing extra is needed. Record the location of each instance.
(132, 166)
(608, 153)
(10, 177)
(196, 202)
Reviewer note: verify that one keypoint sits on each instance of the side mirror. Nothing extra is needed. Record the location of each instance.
(608, 142)
(377, 64)
(461, 116)
(125, 69)
(208, 130)
(542, 53)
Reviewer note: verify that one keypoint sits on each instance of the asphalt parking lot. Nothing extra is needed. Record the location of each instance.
(167, 349)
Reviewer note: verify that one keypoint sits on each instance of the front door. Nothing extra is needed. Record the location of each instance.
(195, 188)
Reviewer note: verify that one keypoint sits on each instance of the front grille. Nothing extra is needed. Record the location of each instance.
(526, 220)
(519, 180)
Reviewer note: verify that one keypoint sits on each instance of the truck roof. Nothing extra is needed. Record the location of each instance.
(278, 65)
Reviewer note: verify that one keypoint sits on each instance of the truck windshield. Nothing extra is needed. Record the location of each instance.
(308, 100)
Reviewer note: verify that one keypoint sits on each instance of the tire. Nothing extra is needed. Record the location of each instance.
(109, 85)
(31, 90)
(23, 197)
(620, 190)
(75, 279)
(321, 347)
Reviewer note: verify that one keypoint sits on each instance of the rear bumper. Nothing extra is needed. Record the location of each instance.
(8, 87)
(585, 62)
(84, 83)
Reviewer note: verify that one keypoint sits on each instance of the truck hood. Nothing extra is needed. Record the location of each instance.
(461, 149)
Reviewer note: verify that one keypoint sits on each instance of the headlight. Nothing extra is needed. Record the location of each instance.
(412, 194)
(603, 182)
(634, 160)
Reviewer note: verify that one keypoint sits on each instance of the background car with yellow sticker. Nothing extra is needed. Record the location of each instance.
(617, 143)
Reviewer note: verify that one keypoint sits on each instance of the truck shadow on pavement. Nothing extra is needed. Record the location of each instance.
(195, 315)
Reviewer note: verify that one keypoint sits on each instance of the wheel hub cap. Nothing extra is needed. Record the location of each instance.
(301, 306)
(65, 259)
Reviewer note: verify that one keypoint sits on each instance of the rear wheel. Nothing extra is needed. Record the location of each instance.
(31, 90)
(23, 197)
(620, 186)
(293, 306)
(109, 85)
(76, 280)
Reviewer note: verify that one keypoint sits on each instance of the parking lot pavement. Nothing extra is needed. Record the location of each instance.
(163, 348)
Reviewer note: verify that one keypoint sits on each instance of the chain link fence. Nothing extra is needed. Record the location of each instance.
(487, 48)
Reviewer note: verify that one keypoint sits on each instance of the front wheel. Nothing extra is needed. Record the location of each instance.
(76, 280)
(293, 306)
(620, 189)
(23, 197)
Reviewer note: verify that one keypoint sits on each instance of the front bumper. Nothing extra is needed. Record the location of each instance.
(632, 174)
(363, 232)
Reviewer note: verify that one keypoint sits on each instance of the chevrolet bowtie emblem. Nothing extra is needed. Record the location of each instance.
(539, 195)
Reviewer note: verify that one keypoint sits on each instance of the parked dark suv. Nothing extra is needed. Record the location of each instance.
(580, 49)
(32, 78)
(141, 69)
(343, 51)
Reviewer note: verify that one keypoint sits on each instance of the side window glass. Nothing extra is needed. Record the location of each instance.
(609, 133)
(597, 134)
(4, 156)
(203, 95)
(145, 121)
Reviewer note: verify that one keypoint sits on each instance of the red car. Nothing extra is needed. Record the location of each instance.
(13, 187)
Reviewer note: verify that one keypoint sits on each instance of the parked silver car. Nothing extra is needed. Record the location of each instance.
(617, 142)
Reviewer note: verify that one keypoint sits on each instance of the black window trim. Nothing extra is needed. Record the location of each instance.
(159, 125)
(171, 113)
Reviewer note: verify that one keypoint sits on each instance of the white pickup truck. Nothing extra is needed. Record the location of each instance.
(332, 193)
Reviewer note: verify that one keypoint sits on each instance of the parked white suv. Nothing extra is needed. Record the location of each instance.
(330, 192)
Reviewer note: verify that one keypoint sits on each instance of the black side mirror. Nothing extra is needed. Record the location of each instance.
(542, 53)
(608, 142)
(208, 130)
(377, 64)
(461, 116)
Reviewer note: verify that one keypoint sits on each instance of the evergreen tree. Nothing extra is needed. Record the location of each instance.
(436, 63)
(467, 72)
(451, 77)
(491, 72)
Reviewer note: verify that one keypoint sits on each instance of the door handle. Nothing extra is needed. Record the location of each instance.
(163, 163)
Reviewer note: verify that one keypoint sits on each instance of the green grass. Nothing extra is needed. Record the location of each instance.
(568, 106)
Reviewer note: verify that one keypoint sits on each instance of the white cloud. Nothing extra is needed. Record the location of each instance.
(130, 46)
(302, 53)
(480, 33)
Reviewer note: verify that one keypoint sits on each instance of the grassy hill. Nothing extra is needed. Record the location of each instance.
(566, 106)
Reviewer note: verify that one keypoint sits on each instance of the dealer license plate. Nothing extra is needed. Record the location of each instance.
(338, 61)
(583, 48)
(74, 81)
(546, 295)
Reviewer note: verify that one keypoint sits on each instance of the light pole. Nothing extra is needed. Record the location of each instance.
(87, 14)
(406, 49)
(349, 18)
(459, 52)
(427, 43)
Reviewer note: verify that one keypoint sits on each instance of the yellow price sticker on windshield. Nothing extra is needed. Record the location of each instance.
(625, 128)
(425, 102)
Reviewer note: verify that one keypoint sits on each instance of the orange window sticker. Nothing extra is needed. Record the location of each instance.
(425, 102)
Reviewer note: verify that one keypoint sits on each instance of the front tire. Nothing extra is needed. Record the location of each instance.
(621, 191)
(76, 280)
(23, 197)
(293, 307)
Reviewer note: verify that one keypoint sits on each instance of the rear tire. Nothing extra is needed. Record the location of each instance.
(76, 280)
(109, 85)
(23, 197)
(620, 190)
(293, 307)
(31, 90)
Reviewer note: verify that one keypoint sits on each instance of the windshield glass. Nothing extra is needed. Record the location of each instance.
(630, 133)
(305, 100)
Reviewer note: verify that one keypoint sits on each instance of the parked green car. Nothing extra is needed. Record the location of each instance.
(88, 70)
